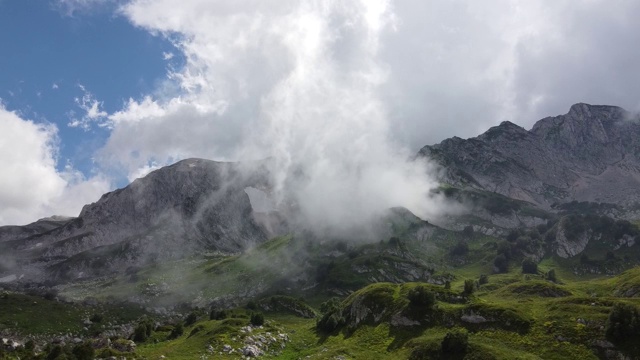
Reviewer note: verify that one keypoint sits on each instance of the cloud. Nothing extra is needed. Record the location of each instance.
(55, 86)
(355, 87)
(75, 7)
(31, 187)
(92, 111)
(296, 81)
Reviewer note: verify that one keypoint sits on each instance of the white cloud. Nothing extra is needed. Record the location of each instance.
(55, 86)
(298, 81)
(92, 111)
(31, 187)
(338, 84)
(167, 55)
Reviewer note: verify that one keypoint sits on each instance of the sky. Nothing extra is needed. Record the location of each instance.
(95, 93)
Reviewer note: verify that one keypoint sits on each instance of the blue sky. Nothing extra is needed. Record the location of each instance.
(47, 54)
(97, 93)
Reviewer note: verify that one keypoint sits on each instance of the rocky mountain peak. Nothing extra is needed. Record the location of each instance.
(575, 156)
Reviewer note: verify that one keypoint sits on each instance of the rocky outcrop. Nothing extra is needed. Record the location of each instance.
(192, 206)
(576, 156)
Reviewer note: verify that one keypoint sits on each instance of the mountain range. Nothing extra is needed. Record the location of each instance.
(589, 155)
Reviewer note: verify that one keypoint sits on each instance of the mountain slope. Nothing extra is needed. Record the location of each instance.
(193, 205)
(592, 153)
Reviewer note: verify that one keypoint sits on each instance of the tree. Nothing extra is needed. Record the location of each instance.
(469, 287)
(623, 323)
(332, 317)
(551, 275)
(461, 248)
(501, 263)
(177, 331)
(218, 314)
(420, 296)
(257, 319)
(483, 279)
(191, 319)
(529, 266)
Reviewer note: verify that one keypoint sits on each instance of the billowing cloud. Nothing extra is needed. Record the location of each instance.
(340, 91)
(31, 187)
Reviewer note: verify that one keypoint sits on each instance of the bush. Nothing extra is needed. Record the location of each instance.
(623, 323)
(529, 266)
(140, 333)
(330, 322)
(257, 319)
(96, 318)
(455, 342)
(251, 305)
(218, 314)
(332, 317)
(461, 248)
(501, 264)
(420, 296)
(177, 331)
(469, 287)
(551, 275)
(484, 279)
(191, 319)
(84, 351)
(504, 248)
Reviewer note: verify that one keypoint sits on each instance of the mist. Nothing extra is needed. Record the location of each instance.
(311, 70)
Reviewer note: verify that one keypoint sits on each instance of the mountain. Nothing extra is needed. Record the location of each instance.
(590, 154)
(542, 264)
(192, 206)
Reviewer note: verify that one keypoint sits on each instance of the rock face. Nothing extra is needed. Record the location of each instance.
(590, 154)
(191, 206)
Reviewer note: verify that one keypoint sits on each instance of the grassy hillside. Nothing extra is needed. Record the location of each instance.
(419, 292)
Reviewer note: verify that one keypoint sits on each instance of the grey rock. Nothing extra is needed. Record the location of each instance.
(576, 156)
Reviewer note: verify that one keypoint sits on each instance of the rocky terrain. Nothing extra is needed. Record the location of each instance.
(543, 263)
(192, 206)
(592, 154)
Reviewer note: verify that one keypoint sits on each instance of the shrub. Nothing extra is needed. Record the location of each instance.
(551, 275)
(504, 248)
(218, 314)
(140, 333)
(447, 284)
(469, 287)
(484, 279)
(257, 319)
(623, 323)
(177, 331)
(422, 297)
(191, 319)
(455, 342)
(332, 317)
(330, 322)
(460, 248)
(529, 266)
(251, 305)
(501, 264)
(84, 351)
(96, 318)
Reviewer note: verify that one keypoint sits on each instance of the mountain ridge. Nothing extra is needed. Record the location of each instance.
(561, 159)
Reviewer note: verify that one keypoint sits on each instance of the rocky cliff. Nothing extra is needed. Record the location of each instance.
(192, 206)
(592, 153)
